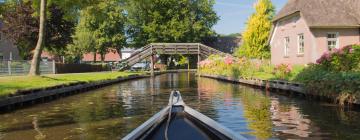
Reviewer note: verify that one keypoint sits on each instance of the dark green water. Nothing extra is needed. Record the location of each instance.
(113, 111)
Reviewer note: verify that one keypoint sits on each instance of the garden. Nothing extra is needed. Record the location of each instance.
(336, 74)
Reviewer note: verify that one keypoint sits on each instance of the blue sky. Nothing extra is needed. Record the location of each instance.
(234, 14)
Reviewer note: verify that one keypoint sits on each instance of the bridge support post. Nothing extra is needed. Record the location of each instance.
(198, 56)
(152, 62)
(152, 65)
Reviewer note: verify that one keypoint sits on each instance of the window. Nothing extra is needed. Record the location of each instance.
(286, 49)
(301, 44)
(1, 56)
(332, 41)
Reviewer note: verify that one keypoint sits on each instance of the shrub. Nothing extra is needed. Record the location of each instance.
(236, 67)
(344, 59)
(336, 75)
(283, 71)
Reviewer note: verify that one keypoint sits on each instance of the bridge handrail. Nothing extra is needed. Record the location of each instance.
(147, 51)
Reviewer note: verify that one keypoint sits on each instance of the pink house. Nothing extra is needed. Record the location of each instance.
(304, 29)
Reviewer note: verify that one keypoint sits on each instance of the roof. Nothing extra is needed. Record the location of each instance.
(324, 13)
(110, 56)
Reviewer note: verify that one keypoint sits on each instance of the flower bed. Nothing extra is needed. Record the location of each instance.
(336, 74)
(245, 68)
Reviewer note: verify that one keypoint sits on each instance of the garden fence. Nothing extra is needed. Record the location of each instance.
(22, 67)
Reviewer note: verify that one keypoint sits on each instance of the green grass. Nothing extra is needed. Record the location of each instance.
(9, 85)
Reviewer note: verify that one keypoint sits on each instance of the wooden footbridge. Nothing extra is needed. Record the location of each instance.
(149, 51)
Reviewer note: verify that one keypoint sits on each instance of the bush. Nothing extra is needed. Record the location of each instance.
(344, 59)
(283, 71)
(236, 67)
(335, 75)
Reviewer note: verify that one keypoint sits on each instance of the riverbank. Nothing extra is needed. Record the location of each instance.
(335, 76)
(13, 85)
(21, 90)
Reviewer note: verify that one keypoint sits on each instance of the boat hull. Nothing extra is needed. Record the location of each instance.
(185, 124)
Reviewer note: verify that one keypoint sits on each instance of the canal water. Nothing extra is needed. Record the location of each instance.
(112, 112)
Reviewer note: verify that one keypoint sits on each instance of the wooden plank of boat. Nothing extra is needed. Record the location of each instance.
(185, 123)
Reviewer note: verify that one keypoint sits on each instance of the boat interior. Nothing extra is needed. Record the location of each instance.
(182, 126)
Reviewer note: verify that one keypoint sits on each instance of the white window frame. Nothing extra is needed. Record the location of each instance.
(332, 39)
(301, 44)
(286, 46)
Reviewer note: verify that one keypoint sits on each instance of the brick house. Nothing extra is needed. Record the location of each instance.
(8, 51)
(304, 29)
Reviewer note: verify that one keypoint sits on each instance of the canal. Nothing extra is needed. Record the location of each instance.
(112, 112)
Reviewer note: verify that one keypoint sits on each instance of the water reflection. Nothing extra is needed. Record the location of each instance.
(112, 112)
(288, 120)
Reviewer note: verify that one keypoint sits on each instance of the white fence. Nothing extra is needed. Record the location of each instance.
(21, 67)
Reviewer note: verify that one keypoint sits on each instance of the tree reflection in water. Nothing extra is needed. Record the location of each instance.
(112, 112)
(257, 112)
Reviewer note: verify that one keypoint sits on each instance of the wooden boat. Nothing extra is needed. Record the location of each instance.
(178, 121)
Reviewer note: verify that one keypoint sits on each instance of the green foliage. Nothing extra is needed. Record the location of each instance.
(101, 29)
(336, 75)
(344, 59)
(282, 71)
(236, 67)
(257, 32)
(22, 28)
(83, 42)
(170, 21)
(183, 60)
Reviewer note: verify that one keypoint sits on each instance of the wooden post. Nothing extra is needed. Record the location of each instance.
(54, 67)
(199, 58)
(9, 67)
(152, 62)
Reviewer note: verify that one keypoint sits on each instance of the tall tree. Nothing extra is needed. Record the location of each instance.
(35, 63)
(106, 22)
(170, 21)
(22, 28)
(257, 32)
(58, 31)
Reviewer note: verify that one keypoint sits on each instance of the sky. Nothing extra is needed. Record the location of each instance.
(234, 14)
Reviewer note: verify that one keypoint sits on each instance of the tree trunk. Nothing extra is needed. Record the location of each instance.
(94, 60)
(118, 50)
(35, 63)
(102, 58)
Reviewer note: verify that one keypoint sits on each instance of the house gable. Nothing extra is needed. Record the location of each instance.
(286, 33)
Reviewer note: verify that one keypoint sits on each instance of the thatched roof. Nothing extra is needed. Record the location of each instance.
(324, 13)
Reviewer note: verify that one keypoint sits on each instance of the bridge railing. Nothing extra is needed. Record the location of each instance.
(170, 48)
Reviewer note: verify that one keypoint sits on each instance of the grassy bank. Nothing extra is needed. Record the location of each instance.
(9, 85)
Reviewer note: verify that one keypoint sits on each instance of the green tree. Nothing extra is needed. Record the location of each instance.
(106, 22)
(170, 21)
(22, 28)
(257, 32)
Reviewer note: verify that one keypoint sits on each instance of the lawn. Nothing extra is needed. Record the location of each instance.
(9, 85)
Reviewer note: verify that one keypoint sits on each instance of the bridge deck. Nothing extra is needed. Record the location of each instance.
(152, 49)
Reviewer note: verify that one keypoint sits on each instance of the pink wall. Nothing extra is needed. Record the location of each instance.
(315, 40)
(291, 27)
(346, 37)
